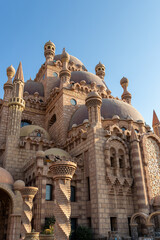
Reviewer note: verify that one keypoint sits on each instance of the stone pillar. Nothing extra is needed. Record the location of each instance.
(63, 172)
(14, 227)
(138, 172)
(134, 232)
(28, 194)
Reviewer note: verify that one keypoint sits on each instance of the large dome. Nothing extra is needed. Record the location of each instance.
(110, 107)
(73, 59)
(5, 177)
(31, 87)
(77, 76)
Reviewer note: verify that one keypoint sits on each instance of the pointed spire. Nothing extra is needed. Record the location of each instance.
(155, 120)
(19, 73)
(133, 135)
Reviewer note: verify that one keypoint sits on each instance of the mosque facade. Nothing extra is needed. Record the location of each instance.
(67, 114)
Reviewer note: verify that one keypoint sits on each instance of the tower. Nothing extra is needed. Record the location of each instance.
(126, 95)
(49, 51)
(100, 70)
(65, 73)
(16, 105)
(156, 124)
(93, 103)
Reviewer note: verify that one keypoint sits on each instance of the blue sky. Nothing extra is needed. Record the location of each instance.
(122, 34)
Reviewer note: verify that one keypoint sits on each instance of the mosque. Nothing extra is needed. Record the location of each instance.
(67, 114)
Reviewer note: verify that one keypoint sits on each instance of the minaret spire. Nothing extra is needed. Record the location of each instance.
(155, 120)
(19, 73)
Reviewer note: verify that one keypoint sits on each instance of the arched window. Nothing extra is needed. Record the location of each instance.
(121, 158)
(52, 120)
(113, 157)
(25, 123)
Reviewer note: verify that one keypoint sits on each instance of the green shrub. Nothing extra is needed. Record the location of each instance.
(83, 233)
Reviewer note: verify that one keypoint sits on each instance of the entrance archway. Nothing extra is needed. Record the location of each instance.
(5, 211)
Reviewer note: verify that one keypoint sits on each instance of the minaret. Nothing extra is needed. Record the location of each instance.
(156, 124)
(49, 51)
(16, 103)
(126, 95)
(100, 70)
(8, 86)
(93, 103)
(65, 73)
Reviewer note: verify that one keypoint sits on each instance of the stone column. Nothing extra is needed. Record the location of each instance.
(138, 172)
(63, 172)
(28, 194)
(134, 232)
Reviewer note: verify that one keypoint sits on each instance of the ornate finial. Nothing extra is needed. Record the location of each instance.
(10, 72)
(126, 95)
(64, 56)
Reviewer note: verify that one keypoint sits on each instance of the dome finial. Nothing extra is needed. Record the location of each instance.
(65, 56)
(10, 73)
(100, 70)
(126, 95)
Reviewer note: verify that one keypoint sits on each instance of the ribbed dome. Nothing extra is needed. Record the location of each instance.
(110, 107)
(72, 59)
(27, 130)
(31, 87)
(5, 177)
(57, 152)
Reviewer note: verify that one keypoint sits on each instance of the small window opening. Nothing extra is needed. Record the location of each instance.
(73, 193)
(113, 222)
(25, 123)
(49, 192)
(52, 120)
(88, 185)
(113, 157)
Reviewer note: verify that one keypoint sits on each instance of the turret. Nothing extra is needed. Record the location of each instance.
(126, 95)
(16, 103)
(49, 51)
(8, 86)
(100, 70)
(93, 103)
(65, 73)
(156, 124)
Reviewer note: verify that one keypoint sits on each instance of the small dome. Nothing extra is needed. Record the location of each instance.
(10, 71)
(93, 94)
(57, 152)
(27, 130)
(18, 185)
(110, 108)
(5, 177)
(31, 87)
